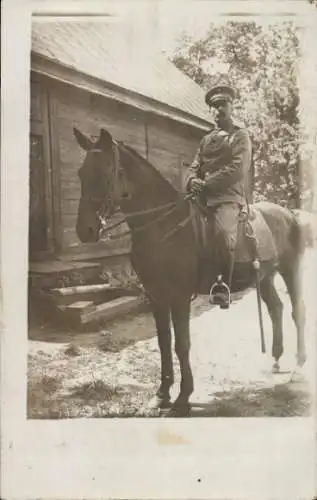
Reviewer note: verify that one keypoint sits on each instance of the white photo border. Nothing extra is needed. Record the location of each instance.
(245, 458)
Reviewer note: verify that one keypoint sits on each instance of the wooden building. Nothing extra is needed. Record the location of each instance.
(91, 75)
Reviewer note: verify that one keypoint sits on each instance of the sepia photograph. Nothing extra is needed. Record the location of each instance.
(169, 232)
(170, 219)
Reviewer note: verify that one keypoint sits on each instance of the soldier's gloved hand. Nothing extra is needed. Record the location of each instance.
(197, 186)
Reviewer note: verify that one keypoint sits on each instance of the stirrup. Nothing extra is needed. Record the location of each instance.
(220, 293)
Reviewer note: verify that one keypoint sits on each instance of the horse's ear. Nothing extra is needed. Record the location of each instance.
(83, 141)
(105, 140)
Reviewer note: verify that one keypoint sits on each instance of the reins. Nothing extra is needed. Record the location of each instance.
(169, 207)
(172, 205)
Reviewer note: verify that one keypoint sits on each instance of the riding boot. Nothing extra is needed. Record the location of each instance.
(220, 291)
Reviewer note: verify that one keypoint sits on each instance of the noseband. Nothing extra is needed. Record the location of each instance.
(106, 203)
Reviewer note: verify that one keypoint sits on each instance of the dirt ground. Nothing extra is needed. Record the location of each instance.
(114, 370)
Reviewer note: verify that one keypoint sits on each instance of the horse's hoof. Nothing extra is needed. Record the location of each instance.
(276, 367)
(157, 403)
(301, 360)
(177, 412)
(297, 375)
(165, 412)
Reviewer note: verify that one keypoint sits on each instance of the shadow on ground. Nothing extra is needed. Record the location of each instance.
(282, 400)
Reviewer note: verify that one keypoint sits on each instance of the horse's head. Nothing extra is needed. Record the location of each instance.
(100, 193)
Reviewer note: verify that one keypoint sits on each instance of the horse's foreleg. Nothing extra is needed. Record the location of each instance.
(275, 309)
(162, 321)
(292, 279)
(180, 317)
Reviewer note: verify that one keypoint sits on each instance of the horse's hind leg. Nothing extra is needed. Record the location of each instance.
(162, 320)
(275, 309)
(290, 272)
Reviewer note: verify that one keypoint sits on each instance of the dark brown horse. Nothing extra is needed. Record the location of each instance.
(165, 252)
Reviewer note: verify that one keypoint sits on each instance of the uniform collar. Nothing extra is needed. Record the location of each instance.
(235, 125)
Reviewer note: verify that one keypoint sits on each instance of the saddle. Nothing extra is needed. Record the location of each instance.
(255, 239)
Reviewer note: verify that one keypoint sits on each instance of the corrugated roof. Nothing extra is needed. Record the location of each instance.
(115, 54)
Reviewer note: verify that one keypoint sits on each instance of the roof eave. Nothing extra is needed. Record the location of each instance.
(66, 74)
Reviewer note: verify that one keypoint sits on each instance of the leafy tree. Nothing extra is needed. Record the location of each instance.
(262, 64)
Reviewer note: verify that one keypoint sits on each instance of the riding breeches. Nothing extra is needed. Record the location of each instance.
(223, 222)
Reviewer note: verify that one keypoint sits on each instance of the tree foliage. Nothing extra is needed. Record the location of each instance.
(262, 63)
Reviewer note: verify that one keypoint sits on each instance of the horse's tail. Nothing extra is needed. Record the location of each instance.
(297, 234)
(307, 225)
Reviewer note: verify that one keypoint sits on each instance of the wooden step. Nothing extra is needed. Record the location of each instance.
(82, 312)
(112, 309)
(68, 295)
(56, 266)
(97, 293)
(81, 305)
(54, 273)
(79, 290)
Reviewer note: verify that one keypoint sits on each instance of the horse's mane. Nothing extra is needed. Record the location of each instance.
(149, 165)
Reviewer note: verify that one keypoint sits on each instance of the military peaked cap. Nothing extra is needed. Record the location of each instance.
(220, 91)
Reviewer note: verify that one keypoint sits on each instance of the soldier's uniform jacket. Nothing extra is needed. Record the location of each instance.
(223, 161)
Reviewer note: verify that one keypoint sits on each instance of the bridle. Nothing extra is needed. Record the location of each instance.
(110, 200)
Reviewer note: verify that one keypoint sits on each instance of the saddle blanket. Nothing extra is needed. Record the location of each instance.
(266, 249)
(264, 241)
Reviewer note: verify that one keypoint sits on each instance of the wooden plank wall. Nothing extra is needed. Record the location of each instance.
(75, 108)
(166, 143)
(171, 145)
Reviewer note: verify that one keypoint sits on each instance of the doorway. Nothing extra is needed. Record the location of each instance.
(41, 241)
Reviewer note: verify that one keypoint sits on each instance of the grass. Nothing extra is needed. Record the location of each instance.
(72, 350)
(50, 384)
(89, 400)
(75, 382)
(109, 343)
(42, 397)
(95, 391)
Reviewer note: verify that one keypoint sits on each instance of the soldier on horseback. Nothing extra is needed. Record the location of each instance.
(219, 176)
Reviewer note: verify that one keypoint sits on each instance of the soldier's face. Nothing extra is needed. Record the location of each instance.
(222, 110)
